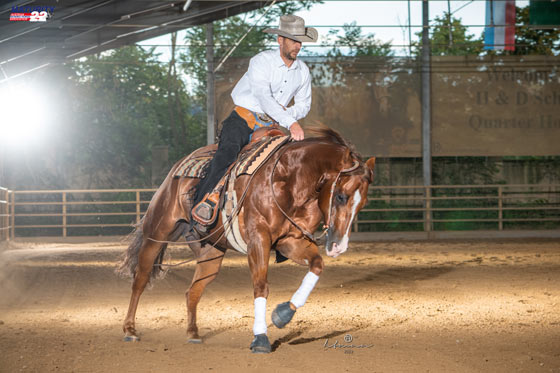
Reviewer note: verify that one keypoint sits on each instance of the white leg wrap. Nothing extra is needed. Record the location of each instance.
(259, 327)
(307, 285)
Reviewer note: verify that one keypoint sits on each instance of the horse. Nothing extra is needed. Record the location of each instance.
(321, 178)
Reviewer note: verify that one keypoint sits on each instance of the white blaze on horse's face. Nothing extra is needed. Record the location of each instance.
(339, 248)
(347, 201)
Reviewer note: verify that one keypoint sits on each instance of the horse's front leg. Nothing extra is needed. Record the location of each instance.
(258, 254)
(309, 254)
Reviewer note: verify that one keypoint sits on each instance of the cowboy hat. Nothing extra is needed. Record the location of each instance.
(293, 27)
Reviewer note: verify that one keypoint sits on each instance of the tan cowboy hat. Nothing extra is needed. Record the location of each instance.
(293, 27)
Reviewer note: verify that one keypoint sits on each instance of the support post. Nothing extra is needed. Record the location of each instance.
(4, 215)
(426, 114)
(210, 94)
(409, 32)
(428, 224)
(64, 220)
(500, 209)
(13, 213)
(137, 207)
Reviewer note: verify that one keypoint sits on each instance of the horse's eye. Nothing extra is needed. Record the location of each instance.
(341, 198)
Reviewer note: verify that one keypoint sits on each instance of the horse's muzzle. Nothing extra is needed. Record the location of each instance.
(335, 246)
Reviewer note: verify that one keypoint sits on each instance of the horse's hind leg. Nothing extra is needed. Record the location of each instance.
(207, 268)
(146, 258)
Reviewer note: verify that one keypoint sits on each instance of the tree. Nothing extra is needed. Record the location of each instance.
(529, 40)
(126, 102)
(444, 43)
(354, 43)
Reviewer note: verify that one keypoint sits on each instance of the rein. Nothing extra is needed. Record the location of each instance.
(333, 186)
(306, 233)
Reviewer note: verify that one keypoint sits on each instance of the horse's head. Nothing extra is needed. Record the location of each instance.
(342, 199)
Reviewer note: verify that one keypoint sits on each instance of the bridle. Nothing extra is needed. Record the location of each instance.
(333, 187)
(306, 233)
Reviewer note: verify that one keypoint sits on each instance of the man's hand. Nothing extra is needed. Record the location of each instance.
(296, 131)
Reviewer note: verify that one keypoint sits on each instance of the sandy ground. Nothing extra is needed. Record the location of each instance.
(456, 306)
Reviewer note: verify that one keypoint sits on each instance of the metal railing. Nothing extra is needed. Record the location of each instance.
(80, 212)
(461, 207)
(389, 209)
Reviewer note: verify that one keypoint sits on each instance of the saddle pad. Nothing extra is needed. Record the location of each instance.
(193, 166)
(252, 160)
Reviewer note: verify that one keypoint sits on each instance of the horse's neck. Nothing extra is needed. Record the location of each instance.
(322, 173)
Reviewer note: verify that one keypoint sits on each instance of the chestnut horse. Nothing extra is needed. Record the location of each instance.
(319, 178)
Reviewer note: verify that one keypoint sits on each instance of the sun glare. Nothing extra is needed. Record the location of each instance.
(24, 114)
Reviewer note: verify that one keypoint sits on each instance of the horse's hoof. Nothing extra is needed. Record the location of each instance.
(282, 315)
(131, 338)
(195, 340)
(260, 344)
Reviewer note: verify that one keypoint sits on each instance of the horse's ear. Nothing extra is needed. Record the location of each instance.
(347, 159)
(371, 163)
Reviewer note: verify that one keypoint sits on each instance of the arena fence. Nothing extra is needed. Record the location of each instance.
(391, 209)
(5, 214)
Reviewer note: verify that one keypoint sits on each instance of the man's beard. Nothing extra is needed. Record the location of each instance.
(288, 56)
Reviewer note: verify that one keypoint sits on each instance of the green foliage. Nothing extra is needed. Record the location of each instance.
(528, 40)
(343, 64)
(127, 102)
(444, 43)
(464, 171)
(354, 43)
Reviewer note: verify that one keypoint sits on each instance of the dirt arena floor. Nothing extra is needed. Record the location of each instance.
(453, 306)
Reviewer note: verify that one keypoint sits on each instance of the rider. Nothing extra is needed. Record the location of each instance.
(261, 97)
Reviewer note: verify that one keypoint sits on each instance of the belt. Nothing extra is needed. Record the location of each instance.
(254, 120)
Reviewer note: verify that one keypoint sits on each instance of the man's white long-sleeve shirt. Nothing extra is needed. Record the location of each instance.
(269, 85)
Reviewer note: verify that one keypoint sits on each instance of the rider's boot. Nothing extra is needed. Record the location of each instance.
(205, 211)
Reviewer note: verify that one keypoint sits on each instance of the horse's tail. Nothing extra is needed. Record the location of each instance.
(129, 260)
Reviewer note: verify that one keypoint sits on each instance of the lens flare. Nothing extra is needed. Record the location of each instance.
(23, 115)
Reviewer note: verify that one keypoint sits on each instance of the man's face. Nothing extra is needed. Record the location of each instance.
(289, 48)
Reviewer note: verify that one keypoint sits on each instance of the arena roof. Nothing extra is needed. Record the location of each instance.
(77, 28)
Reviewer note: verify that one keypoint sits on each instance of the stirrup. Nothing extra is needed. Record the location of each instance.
(205, 212)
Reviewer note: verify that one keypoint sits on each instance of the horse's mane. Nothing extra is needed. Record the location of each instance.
(330, 135)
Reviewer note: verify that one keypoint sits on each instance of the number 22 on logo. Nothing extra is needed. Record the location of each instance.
(38, 16)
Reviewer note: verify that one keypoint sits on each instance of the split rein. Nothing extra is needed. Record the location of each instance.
(306, 233)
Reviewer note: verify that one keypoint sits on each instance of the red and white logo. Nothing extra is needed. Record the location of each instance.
(31, 14)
